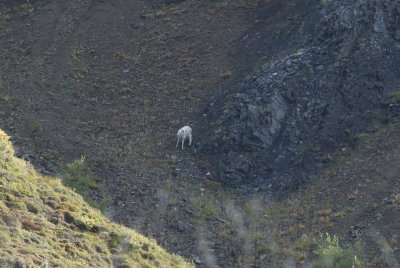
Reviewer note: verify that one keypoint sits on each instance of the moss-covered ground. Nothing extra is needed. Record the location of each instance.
(45, 224)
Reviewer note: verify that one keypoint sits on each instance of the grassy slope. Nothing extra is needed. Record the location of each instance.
(43, 222)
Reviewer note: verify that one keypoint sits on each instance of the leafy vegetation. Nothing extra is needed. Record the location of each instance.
(332, 255)
(45, 224)
(76, 176)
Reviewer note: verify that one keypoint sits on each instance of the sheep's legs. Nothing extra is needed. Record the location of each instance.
(184, 136)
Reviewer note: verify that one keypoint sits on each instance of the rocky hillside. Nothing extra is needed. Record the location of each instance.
(281, 95)
(45, 224)
(287, 122)
(113, 81)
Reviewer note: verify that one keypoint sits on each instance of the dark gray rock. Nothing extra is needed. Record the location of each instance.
(161, 3)
(182, 226)
(281, 126)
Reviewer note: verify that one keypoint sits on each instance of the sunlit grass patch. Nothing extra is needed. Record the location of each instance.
(45, 224)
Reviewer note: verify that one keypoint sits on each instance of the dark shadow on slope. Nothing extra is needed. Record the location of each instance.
(309, 103)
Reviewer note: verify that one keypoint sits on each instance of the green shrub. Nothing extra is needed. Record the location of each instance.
(75, 175)
(332, 255)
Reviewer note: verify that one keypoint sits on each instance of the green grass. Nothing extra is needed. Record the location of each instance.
(46, 224)
(204, 206)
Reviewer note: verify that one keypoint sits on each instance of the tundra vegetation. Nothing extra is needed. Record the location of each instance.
(46, 224)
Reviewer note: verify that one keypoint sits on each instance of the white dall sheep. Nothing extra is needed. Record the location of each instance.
(184, 133)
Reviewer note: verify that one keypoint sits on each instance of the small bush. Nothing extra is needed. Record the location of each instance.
(75, 175)
(332, 255)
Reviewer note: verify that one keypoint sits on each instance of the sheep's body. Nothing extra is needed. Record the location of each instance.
(184, 133)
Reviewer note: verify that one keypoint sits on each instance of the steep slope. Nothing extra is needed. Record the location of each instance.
(285, 123)
(45, 224)
(356, 198)
(114, 80)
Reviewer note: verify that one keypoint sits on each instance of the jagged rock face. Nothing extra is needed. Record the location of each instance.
(284, 125)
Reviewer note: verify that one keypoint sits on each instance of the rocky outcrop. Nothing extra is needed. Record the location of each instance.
(286, 123)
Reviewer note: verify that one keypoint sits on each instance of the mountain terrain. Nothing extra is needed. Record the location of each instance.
(45, 224)
(293, 104)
